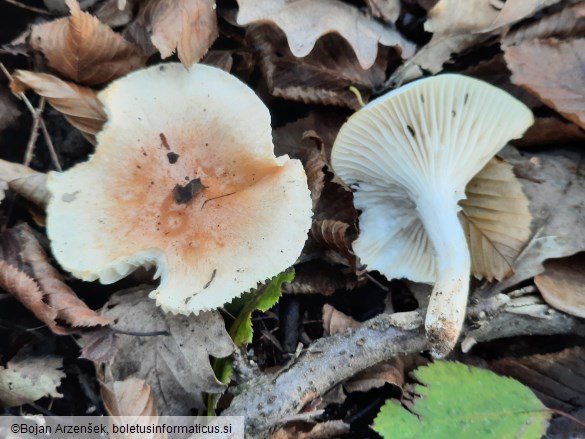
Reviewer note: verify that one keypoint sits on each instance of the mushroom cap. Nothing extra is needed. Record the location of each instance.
(184, 178)
(433, 134)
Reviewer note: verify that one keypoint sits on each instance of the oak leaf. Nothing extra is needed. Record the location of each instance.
(26, 274)
(26, 379)
(559, 82)
(305, 21)
(85, 50)
(186, 26)
(496, 220)
(79, 105)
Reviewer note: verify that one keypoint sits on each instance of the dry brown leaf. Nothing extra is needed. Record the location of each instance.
(387, 372)
(315, 170)
(551, 131)
(555, 185)
(306, 430)
(496, 220)
(130, 397)
(26, 379)
(335, 321)
(187, 26)
(319, 277)
(26, 182)
(562, 284)
(26, 273)
(458, 26)
(79, 105)
(98, 345)
(333, 234)
(558, 379)
(110, 13)
(565, 23)
(559, 82)
(322, 77)
(304, 21)
(173, 356)
(85, 50)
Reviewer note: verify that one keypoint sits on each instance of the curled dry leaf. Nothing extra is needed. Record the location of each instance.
(387, 372)
(85, 50)
(559, 82)
(26, 379)
(304, 21)
(320, 277)
(569, 21)
(172, 356)
(187, 26)
(130, 397)
(79, 105)
(25, 181)
(335, 321)
(555, 186)
(496, 220)
(306, 430)
(562, 284)
(322, 77)
(551, 131)
(26, 274)
(333, 234)
(457, 26)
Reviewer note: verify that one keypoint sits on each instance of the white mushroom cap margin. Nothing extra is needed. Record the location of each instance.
(409, 155)
(242, 215)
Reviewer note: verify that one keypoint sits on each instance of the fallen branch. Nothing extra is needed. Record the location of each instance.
(270, 398)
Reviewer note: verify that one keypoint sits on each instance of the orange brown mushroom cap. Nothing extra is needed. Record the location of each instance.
(184, 178)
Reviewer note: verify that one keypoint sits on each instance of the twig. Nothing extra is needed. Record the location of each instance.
(34, 133)
(30, 8)
(50, 146)
(141, 334)
(268, 399)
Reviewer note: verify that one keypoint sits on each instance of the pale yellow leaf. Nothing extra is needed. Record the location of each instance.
(79, 105)
(304, 21)
(496, 220)
(25, 380)
(83, 49)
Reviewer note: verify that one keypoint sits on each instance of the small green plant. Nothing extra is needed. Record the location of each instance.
(262, 299)
(454, 400)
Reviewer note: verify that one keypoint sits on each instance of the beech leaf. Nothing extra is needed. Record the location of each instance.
(304, 21)
(79, 105)
(26, 379)
(458, 401)
(496, 220)
(26, 274)
(186, 26)
(85, 50)
(130, 397)
(560, 82)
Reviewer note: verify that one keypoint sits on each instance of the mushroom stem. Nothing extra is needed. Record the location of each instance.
(448, 301)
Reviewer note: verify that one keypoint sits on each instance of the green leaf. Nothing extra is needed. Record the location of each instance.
(460, 401)
(262, 299)
(241, 332)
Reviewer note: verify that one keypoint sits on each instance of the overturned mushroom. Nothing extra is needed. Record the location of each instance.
(408, 156)
(184, 178)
